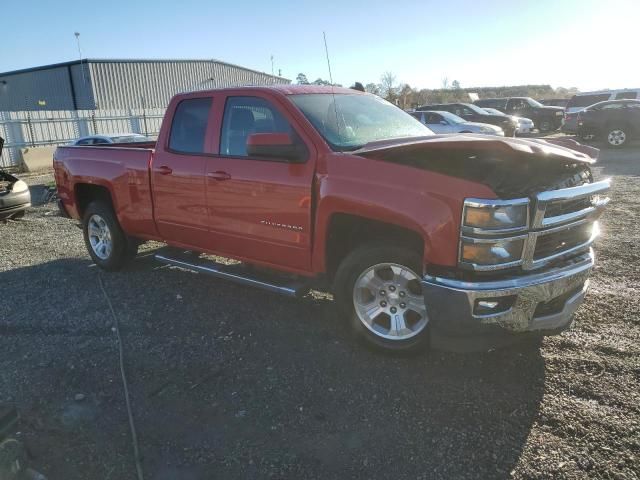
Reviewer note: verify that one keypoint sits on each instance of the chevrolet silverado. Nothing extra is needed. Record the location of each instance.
(422, 239)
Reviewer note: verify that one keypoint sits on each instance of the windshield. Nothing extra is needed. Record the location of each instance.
(451, 117)
(475, 108)
(493, 111)
(352, 121)
(534, 103)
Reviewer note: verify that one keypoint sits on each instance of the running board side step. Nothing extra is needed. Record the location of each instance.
(235, 273)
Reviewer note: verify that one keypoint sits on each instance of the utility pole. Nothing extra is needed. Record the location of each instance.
(272, 71)
(77, 34)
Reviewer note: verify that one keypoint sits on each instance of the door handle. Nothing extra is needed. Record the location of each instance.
(164, 170)
(219, 175)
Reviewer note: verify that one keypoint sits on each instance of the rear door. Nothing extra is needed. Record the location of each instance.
(178, 173)
(259, 209)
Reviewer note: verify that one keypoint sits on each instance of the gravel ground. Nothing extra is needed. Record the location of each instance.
(230, 382)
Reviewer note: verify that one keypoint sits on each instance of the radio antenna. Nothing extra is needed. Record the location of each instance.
(333, 94)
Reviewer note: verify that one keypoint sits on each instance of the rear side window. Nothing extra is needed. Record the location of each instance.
(189, 125)
(244, 116)
(626, 95)
(581, 101)
(612, 106)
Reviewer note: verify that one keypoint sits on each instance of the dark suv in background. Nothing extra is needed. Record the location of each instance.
(617, 122)
(545, 119)
(471, 113)
(554, 102)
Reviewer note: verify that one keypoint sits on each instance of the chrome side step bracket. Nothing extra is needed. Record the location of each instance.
(235, 274)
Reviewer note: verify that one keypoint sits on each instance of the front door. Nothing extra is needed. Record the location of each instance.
(178, 176)
(259, 209)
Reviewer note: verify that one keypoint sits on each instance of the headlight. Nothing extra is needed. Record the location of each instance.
(486, 130)
(493, 216)
(491, 252)
(19, 187)
(559, 113)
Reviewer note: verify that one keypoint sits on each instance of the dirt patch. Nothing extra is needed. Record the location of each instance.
(230, 382)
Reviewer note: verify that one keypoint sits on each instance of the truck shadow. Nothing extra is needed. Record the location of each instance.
(232, 382)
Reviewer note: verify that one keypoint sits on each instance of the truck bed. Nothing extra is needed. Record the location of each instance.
(123, 173)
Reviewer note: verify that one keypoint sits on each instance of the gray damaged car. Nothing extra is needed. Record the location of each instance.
(15, 197)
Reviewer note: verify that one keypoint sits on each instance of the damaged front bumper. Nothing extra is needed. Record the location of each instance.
(12, 202)
(539, 303)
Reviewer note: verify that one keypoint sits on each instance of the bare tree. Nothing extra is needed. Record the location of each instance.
(455, 85)
(405, 96)
(387, 88)
(372, 88)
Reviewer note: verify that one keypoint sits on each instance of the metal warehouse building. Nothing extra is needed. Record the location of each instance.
(118, 84)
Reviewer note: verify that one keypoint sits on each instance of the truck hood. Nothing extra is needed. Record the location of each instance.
(552, 110)
(511, 167)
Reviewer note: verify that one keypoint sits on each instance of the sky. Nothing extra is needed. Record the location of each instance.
(570, 43)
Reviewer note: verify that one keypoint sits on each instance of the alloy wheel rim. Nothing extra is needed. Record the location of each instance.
(388, 301)
(100, 237)
(616, 137)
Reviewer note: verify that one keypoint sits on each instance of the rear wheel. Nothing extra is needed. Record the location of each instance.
(107, 244)
(378, 288)
(546, 125)
(616, 137)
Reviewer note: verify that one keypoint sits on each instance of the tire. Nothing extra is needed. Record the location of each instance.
(106, 243)
(546, 125)
(616, 137)
(371, 278)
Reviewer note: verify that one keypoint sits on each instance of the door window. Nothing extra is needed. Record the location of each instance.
(189, 126)
(626, 95)
(244, 116)
(518, 104)
(462, 111)
(612, 106)
(432, 118)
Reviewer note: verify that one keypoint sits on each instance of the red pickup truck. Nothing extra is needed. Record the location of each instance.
(422, 238)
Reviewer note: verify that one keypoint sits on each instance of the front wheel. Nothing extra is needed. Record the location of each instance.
(616, 137)
(107, 244)
(546, 125)
(378, 288)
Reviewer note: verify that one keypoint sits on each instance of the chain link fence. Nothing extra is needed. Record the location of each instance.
(29, 129)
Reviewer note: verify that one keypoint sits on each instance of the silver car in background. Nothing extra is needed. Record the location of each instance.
(525, 125)
(446, 122)
(111, 138)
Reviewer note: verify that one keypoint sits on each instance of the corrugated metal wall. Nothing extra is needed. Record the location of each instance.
(152, 84)
(24, 91)
(113, 84)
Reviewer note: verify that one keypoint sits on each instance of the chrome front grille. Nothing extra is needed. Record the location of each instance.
(561, 223)
(563, 239)
(555, 209)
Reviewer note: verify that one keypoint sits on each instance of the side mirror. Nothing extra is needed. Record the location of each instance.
(278, 146)
(443, 122)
